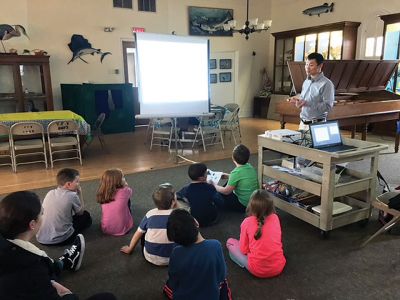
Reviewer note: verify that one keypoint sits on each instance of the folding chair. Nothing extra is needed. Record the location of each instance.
(381, 203)
(230, 122)
(5, 146)
(209, 129)
(22, 147)
(149, 128)
(64, 135)
(97, 132)
(161, 132)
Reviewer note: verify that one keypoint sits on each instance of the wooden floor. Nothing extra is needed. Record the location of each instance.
(129, 152)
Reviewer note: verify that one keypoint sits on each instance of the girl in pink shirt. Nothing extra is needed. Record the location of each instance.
(259, 249)
(114, 196)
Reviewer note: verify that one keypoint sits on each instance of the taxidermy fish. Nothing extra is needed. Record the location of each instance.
(317, 10)
(81, 46)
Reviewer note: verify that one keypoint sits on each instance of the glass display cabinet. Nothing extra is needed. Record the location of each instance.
(334, 41)
(25, 83)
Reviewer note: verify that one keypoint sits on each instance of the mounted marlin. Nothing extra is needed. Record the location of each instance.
(317, 10)
(81, 46)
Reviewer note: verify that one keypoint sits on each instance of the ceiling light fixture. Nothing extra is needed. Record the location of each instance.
(249, 26)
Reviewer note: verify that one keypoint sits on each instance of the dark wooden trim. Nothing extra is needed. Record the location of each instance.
(23, 59)
(125, 45)
(316, 29)
(392, 18)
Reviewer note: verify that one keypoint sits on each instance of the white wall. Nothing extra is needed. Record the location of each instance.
(51, 23)
(287, 15)
(222, 93)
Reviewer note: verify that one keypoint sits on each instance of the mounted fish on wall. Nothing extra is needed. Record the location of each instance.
(81, 46)
(317, 10)
(9, 31)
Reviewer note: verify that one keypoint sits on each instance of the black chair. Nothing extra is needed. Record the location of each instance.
(97, 132)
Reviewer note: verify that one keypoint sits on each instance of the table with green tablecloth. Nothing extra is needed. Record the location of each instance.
(44, 118)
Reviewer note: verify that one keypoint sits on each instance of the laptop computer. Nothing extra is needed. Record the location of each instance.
(326, 136)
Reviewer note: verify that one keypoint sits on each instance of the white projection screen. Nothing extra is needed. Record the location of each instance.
(172, 74)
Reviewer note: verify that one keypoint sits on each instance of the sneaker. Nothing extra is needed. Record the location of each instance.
(73, 256)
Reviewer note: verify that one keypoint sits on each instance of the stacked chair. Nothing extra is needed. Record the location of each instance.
(209, 131)
(231, 122)
(63, 138)
(382, 203)
(96, 131)
(32, 145)
(5, 147)
(161, 132)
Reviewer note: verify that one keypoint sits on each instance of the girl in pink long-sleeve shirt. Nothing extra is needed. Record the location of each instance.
(114, 196)
(259, 249)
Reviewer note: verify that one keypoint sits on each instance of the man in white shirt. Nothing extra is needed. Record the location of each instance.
(317, 94)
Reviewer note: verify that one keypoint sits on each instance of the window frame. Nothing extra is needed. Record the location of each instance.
(141, 4)
(388, 20)
(348, 49)
(124, 6)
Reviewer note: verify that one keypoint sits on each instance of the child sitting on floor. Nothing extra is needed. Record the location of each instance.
(26, 271)
(64, 215)
(242, 181)
(203, 198)
(114, 196)
(197, 268)
(259, 249)
(152, 230)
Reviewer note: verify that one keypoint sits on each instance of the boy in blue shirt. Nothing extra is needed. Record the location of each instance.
(152, 231)
(203, 198)
(197, 268)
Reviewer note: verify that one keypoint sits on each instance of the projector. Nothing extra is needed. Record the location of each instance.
(284, 135)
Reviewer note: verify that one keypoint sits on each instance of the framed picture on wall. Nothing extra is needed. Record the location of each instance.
(213, 78)
(213, 64)
(225, 63)
(225, 77)
(206, 21)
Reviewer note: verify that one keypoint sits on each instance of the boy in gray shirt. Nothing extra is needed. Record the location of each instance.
(63, 211)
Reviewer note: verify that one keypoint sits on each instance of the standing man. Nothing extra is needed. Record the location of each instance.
(317, 94)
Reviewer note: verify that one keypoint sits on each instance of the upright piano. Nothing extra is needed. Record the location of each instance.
(360, 95)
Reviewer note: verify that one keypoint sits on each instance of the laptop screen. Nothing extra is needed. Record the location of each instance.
(325, 134)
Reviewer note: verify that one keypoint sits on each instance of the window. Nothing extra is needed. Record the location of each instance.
(323, 44)
(334, 41)
(147, 5)
(373, 47)
(335, 47)
(311, 42)
(391, 49)
(299, 48)
(378, 48)
(123, 3)
(329, 44)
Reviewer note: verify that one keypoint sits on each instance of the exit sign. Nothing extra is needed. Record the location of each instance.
(137, 29)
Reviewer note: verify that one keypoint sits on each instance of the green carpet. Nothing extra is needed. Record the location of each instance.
(316, 269)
